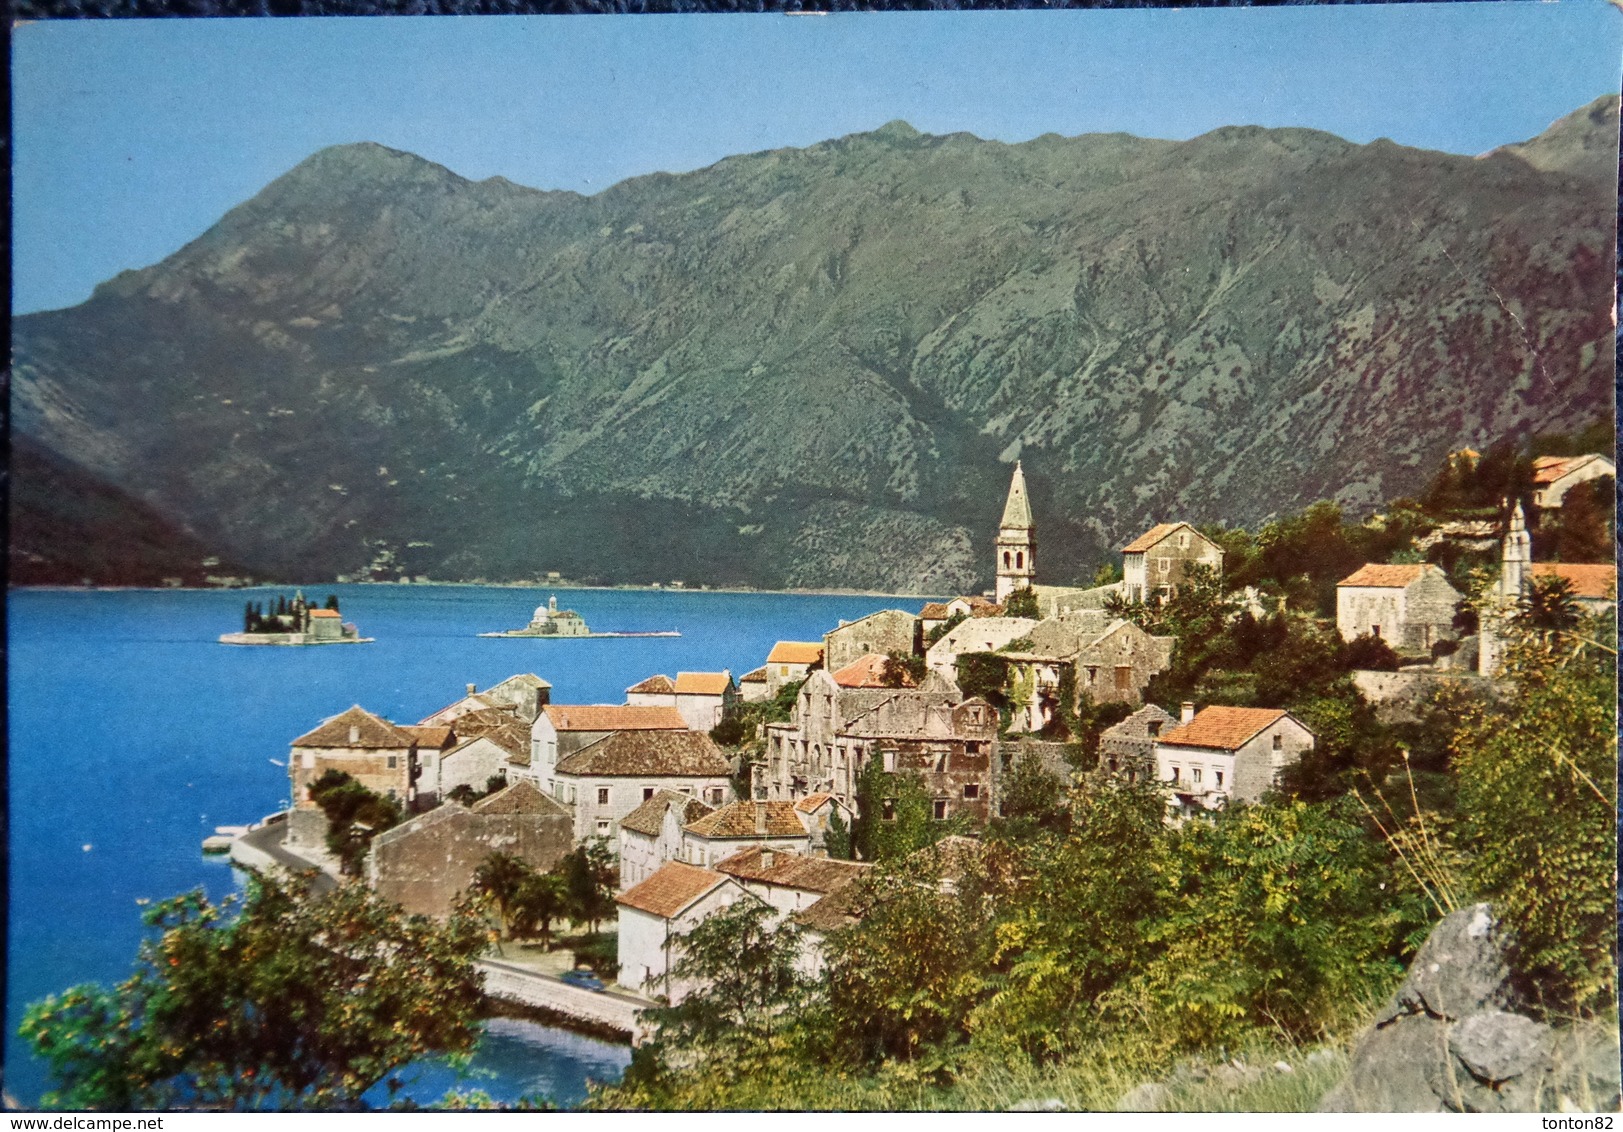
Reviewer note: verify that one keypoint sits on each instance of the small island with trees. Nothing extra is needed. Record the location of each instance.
(295, 622)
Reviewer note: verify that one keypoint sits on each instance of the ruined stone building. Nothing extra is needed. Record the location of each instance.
(1128, 748)
(1109, 660)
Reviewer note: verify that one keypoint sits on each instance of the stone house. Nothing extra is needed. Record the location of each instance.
(1158, 561)
(1128, 748)
(1409, 606)
(835, 730)
(1226, 754)
(718, 835)
(379, 755)
(981, 634)
(655, 913)
(1112, 660)
(788, 881)
(472, 762)
(562, 729)
(937, 613)
(752, 686)
(788, 663)
(1554, 476)
(817, 812)
(425, 863)
(604, 781)
(884, 632)
(522, 696)
(651, 834)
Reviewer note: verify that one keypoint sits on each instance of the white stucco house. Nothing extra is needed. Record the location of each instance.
(651, 834)
(655, 913)
(1225, 754)
(606, 780)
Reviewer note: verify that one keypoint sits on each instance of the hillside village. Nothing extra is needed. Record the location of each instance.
(702, 789)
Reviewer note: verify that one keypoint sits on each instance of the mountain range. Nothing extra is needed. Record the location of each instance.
(811, 367)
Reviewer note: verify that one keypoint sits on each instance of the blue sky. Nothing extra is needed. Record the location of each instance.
(133, 137)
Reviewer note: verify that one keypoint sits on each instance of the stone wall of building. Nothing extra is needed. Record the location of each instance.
(885, 632)
(423, 864)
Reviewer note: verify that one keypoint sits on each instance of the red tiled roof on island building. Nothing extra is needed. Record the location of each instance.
(1150, 537)
(649, 818)
(324, 613)
(789, 869)
(867, 672)
(1222, 728)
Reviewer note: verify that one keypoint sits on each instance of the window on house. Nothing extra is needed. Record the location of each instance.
(1019, 560)
(1375, 630)
(1195, 774)
(715, 795)
(972, 747)
(890, 761)
(940, 809)
(887, 809)
(647, 793)
(1154, 728)
(602, 829)
(1175, 774)
(1279, 742)
(571, 795)
(1164, 565)
(394, 762)
(1124, 677)
(1219, 779)
(1183, 539)
(971, 790)
(602, 795)
(1005, 559)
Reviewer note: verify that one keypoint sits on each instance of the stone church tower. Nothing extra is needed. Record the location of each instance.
(1016, 540)
(1515, 568)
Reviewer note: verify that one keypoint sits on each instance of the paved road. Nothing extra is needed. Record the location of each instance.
(268, 840)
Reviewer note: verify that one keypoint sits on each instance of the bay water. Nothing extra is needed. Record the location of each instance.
(132, 733)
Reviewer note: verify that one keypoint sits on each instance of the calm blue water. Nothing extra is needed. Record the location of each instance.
(132, 734)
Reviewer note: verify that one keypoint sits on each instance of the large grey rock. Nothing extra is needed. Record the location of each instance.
(1450, 1040)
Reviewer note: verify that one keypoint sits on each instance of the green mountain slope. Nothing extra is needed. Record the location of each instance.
(813, 367)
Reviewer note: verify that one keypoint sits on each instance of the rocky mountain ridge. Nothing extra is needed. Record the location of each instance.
(814, 367)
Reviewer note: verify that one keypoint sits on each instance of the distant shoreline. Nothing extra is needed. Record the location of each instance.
(831, 592)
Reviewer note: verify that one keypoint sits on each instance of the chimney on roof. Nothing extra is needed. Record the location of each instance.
(472, 688)
(760, 818)
(1188, 712)
(766, 858)
(354, 734)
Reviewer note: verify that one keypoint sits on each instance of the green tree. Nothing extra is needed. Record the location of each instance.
(589, 878)
(903, 670)
(1548, 607)
(355, 815)
(1031, 798)
(944, 628)
(332, 603)
(982, 674)
(290, 1002)
(838, 839)
(499, 878)
(541, 898)
(1538, 801)
(1021, 603)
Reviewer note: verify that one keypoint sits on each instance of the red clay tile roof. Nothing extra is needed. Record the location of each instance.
(649, 754)
(324, 613)
(811, 801)
(1548, 469)
(791, 870)
(1395, 576)
(935, 611)
(649, 818)
(373, 732)
(522, 797)
(604, 717)
(513, 738)
(429, 738)
(865, 672)
(483, 721)
(654, 685)
(674, 887)
(1588, 580)
(754, 676)
(839, 909)
(702, 683)
(795, 652)
(1222, 728)
(1150, 537)
(738, 820)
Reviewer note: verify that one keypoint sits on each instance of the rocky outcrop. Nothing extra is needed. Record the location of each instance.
(1452, 1039)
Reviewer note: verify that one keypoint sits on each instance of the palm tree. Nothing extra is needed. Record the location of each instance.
(499, 878)
(541, 898)
(1549, 605)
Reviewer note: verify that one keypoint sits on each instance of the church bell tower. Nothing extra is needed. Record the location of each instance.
(1016, 540)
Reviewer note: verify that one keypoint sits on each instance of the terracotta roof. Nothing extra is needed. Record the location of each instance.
(791, 870)
(324, 613)
(649, 754)
(522, 797)
(654, 685)
(1222, 728)
(1150, 537)
(865, 672)
(811, 801)
(372, 732)
(1548, 469)
(649, 818)
(1394, 576)
(1588, 580)
(675, 886)
(935, 611)
(738, 820)
(483, 721)
(430, 738)
(754, 676)
(839, 909)
(703, 683)
(604, 717)
(795, 652)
